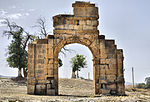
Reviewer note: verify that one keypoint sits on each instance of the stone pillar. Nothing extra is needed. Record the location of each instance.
(31, 69)
(121, 87)
(96, 74)
(51, 85)
(103, 56)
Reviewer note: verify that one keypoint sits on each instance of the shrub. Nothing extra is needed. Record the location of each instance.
(141, 85)
(147, 82)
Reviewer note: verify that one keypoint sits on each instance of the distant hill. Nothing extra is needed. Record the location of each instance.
(128, 83)
(2, 76)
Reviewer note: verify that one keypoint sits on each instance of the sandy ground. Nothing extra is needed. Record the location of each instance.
(76, 90)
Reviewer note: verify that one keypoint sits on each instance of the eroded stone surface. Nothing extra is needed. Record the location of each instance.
(81, 27)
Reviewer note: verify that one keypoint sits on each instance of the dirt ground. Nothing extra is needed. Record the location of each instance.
(77, 90)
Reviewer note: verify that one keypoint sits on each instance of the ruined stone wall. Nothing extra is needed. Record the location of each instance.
(81, 27)
(111, 68)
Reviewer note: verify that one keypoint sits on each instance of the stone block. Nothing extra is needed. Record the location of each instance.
(107, 61)
(51, 72)
(50, 53)
(86, 41)
(89, 22)
(111, 77)
(87, 27)
(102, 72)
(49, 76)
(50, 66)
(76, 27)
(49, 86)
(66, 26)
(30, 89)
(70, 26)
(40, 72)
(50, 91)
(40, 89)
(105, 91)
(60, 27)
(42, 81)
(103, 61)
(95, 23)
(50, 61)
(82, 22)
(31, 80)
(111, 71)
(112, 86)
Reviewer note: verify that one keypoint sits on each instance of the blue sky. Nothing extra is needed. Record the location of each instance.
(126, 21)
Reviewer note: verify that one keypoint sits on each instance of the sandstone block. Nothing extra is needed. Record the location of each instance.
(40, 89)
(50, 91)
(30, 89)
(105, 91)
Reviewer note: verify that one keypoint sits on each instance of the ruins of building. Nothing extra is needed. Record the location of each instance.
(81, 27)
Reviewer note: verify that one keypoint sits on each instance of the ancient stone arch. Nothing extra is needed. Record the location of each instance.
(81, 27)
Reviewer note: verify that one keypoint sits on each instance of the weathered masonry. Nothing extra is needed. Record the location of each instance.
(81, 27)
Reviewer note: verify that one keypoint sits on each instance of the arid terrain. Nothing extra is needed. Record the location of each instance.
(77, 90)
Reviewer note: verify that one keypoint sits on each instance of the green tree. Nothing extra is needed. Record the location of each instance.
(78, 62)
(17, 55)
(147, 82)
(17, 49)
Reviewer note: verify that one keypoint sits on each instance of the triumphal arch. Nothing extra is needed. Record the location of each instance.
(81, 27)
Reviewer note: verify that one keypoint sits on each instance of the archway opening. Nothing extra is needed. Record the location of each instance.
(82, 86)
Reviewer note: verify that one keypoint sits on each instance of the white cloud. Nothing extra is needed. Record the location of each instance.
(4, 14)
(14, 16)
(13, 7)
(22, 9)
(31, 10)
(26, 14)
(1, 22)
(17, 15)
